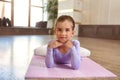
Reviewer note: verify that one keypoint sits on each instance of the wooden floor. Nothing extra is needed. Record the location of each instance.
(16, 53)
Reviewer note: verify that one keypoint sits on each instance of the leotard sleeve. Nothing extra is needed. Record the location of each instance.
(75, 55)
(49, 60)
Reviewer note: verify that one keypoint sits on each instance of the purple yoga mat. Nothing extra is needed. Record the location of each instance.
(88, 68)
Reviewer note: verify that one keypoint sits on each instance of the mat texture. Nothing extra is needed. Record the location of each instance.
(88, 69)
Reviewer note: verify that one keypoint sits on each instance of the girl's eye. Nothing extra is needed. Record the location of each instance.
(67, 29)
(59, 29)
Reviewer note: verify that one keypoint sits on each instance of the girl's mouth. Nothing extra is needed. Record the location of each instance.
(63, 37)
(62, 42)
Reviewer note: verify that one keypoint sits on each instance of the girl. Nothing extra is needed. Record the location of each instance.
(63, 50)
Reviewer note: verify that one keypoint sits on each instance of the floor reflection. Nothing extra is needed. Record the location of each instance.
(15, 55)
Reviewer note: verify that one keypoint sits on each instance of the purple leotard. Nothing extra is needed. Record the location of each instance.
(72, 56)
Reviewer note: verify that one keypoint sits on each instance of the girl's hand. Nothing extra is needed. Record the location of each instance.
(69, 44)
(54, 44)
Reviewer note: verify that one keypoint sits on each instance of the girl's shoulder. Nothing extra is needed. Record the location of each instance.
(76, 42)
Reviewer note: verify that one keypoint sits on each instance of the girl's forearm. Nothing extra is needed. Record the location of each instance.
(49, 61)
(75, 59)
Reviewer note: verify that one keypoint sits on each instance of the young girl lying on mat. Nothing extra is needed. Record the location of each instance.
(63, 50)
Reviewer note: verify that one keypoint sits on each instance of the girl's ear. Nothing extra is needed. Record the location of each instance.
(54, 31)
(73, 32)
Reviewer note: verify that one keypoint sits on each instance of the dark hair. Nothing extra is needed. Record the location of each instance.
(66, 17)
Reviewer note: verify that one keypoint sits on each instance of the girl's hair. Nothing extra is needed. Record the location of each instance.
(66, 17)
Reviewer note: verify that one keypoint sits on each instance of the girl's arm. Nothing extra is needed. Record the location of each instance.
(75, 55)
(49, 60)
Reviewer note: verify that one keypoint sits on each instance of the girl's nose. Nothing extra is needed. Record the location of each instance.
(63, 32)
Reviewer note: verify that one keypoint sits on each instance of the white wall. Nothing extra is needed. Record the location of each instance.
(101, 12)
(1, 9)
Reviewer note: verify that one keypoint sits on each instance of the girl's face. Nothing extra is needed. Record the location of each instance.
(64, 31)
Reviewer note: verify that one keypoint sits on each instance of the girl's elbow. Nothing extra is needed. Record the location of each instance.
(49, 65)
(76, 67)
